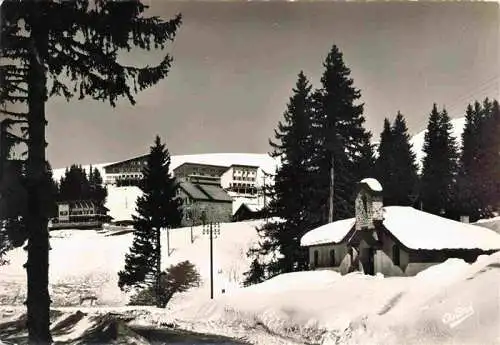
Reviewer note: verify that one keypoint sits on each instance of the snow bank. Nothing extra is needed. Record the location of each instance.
(491, 223)
(451, 303)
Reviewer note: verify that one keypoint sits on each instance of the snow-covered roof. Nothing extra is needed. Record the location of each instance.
(329, 233)
(421, 230)
(415, 230)
(373, 184)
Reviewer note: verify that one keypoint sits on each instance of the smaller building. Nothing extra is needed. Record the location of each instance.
(248, 212)
(393, 240)
(240, 180)
(80, 214)
(203, 202)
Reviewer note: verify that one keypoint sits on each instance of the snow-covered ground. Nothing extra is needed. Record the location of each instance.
(451, 303)
(86, 262)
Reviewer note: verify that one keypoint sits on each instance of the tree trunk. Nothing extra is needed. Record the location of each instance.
(158, 268)
(330, 196)
(37, 266)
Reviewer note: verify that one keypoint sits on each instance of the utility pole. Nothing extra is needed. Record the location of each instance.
(212, 229)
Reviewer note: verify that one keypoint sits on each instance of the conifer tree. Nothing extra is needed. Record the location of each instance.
(71, 47)
(365, 161)
(256, 273)
(469, 196)
(340, 136)
(158, 208)
(439, 165)
(396, 164)
(385, 163)
(292, 188)
(478, 186)
(98, 191)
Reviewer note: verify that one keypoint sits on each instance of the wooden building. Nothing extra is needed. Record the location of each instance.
(80, 214)
(248, 212)
(393, 240)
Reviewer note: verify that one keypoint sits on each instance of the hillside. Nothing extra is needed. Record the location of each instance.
(87, 262)
(451, 303)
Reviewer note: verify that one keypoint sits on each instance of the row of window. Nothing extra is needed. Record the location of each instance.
(244, 172)
(244, 178)
(331, 261)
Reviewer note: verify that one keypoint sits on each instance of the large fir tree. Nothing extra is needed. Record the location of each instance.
(158, 208)
(439, 165)
(73, 47)
(340, 138)
(384, 168)
(478, 186)
(292, 189)
(396, 164)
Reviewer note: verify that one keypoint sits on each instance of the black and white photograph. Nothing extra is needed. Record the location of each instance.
(241, 172)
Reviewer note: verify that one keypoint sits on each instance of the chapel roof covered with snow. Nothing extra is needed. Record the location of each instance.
(414, 229)
(372, 184)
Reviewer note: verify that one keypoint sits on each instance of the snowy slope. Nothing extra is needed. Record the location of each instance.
(121, 202)
(87, 262)
(417, 140)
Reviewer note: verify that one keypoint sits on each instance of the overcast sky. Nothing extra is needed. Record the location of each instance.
(236, 63)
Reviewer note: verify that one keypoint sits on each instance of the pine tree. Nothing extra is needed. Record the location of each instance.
(439, 165)
(385, 166)
(405, 163)
(98, 191)
(396, 164)
(158, 208)
(469, 195)
(478, 186)
(340, 137)
(365, 161)
(256, 273)
(73, 48)
(291, 192)
(75, 184)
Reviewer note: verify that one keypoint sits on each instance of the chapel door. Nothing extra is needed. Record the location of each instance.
(369, 266)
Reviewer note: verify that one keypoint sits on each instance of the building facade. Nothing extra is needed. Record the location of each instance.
(128, 172)
(241, 180)
(204, 202)
(200, 173)
(80, 214)
(394, 240)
